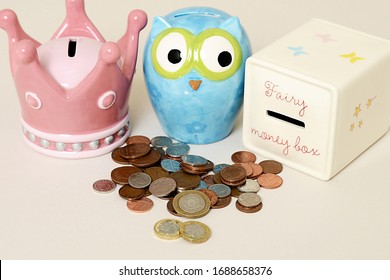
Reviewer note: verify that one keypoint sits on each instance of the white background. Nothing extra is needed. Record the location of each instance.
(49, 211)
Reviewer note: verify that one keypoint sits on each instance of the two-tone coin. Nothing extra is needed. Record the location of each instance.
(195, 232)
(168, 229)
(191, 204)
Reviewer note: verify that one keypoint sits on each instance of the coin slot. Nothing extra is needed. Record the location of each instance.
(72, 46)
(285, 118)
(208, 14)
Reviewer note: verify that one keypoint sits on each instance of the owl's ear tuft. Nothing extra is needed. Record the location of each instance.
(233, 26)
(159, 24)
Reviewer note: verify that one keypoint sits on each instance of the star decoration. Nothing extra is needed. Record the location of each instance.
(352, 57)
(297, 51)
(369, 102)
(357, 111)
(326, 38)
(352, 127)
(360, 124)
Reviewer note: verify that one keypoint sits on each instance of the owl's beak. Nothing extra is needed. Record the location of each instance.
(195, 84)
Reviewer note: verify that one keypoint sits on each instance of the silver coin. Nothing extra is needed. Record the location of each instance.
(221, 190)
(177, 150)
(249, 199)
(140, 180)
(219, 167)
(202, 185)
(192, 203)
(170, 165)
(250, 186)
(194, 160)
(161, 141)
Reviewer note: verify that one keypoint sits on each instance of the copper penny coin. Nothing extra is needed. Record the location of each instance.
(208, 179)
(222, 202)
(249, 209)
(116, 157)
(185, 181)
(120, 175)
(171, 209)
(270, 181)
(162, 186)
(211, 195)
(104, 186)
(156, 172)
(257, 170)
(235, 192)
(233, 175)
(243, 156)
(152, 158)
(135, 150)
(138, 139)
(128, 192)
(217, 178)
(271, 166)
(248, 168)
(141, 205)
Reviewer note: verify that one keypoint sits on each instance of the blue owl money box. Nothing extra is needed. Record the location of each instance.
(194, 72)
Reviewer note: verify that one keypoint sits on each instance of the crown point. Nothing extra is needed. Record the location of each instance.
(25, 51)
(110, 53)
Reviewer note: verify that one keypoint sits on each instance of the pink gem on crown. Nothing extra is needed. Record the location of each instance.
(74, 90)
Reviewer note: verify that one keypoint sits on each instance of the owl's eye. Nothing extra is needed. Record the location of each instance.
(219, 53)
(171, 53)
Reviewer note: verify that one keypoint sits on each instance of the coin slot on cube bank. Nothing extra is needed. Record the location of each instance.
(317, 98)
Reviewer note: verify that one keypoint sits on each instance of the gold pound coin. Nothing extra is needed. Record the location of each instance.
(195, 232)
(168, 229)
(191, 204)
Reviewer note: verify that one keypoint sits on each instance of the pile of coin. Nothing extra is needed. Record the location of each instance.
(191, 184)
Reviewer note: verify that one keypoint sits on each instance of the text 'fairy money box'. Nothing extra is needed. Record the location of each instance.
(194, 64)
(73, 90)
(317, 98)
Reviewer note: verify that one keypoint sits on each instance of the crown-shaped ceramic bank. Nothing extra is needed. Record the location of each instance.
(73, 90)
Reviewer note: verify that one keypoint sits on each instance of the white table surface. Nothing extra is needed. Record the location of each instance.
(49, 211)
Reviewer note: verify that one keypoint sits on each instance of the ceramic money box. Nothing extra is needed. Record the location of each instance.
(317, 98)
(73, 90)
(194, 71)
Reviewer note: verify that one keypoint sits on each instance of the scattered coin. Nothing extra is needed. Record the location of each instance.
(162, 186)
(250, 186)
(140, 180)
(249, 209)
(219, 167)
(271, 166)
(249, 199)
(128, 192)
(191, 204)
(141, 205)
(156, 172)
(270, 181)
(243, 156)
(185, 181)
(135, 150)
(170, 165)
(116, 156)
(120, 175)
(233, 175)
(195, 232)
(138, 139)
(171, 209)
(161, 141)
(152, 158)
(168, 229)
(104, 186)
(194, 160)
(257, 170)
(222, 202)
(177, 150)
(211, 195)
(221, 190)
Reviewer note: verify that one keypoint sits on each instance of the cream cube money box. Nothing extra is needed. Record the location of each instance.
(317, 98)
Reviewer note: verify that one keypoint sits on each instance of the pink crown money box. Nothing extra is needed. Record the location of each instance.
(318, 97)
(73, 90)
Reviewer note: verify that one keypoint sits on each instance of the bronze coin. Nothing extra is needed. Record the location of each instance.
(211, 195)
(116, 157)
(185, 181)
(235, 192)
(222, 202)
(249, 209)
(135, 150)
(197, 169)
(243, 156)
(257, 170)
(127, 192)
(152, 158)
(141, 205)
(208, 179)
(248, 168)
(270, 181)
(104, 186)
(171, 209)
(233, 175)
(162, 186)
(156, 172)
(217, 178)
(120, 175)
(138, 139)
(271, 166)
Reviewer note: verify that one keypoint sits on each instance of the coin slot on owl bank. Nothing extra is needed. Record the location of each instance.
(317, 98)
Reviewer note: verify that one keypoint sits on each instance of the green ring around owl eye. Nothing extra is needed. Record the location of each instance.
(218, 54)
(172, 53)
